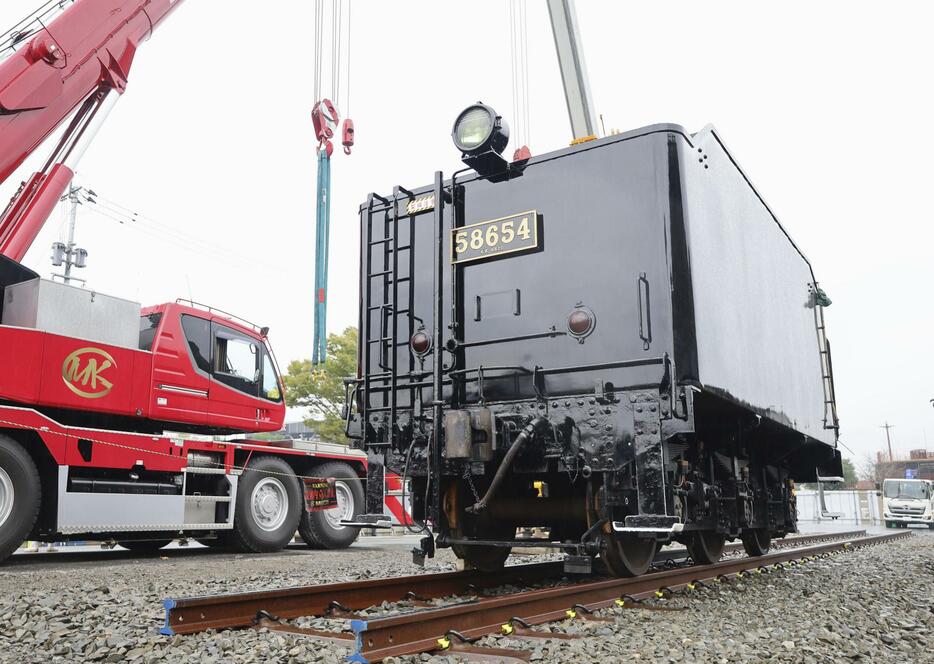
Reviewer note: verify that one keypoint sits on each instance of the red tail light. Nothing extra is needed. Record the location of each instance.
(581, 322)
(420, 342)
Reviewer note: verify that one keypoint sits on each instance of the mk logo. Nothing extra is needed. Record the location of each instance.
(82, 371)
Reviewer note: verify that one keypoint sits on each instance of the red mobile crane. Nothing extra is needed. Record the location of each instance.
(92, 383)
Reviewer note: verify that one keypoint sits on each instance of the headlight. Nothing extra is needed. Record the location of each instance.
(481, 135)
(473, 127)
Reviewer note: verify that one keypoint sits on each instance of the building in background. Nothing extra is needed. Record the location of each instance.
(919, 466)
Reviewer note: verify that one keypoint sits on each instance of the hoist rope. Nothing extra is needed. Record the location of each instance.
(336, 6)
(330, 58)
(349, 14)
(525, 74)
(319, 41)
(519, 59)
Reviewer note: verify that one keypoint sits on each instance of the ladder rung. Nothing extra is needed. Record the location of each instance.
(384, 240)
(377, 307)
(379, 274)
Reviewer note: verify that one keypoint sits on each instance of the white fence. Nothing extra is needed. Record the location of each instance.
(860, 507)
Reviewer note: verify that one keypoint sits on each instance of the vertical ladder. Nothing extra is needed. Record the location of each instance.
(387, 306)
(826, 365)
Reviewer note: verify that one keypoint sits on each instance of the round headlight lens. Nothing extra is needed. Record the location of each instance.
(473, 128)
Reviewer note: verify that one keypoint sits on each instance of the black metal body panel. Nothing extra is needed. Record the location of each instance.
(636, 211)
(702, 387)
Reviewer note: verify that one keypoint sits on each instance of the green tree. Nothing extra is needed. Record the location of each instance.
(849, 474)
(321, 389)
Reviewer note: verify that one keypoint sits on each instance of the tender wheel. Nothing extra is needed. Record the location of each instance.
(20, 495)
(757, 542)
(483, 558)
(705, 547)
(144, 546)
(323, 530)
(627, 555)
(269, 504)
(486, 558)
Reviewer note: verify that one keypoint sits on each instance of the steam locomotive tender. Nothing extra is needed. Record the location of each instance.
(616, 342)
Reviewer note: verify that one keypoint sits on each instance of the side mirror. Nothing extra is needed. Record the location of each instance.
(878, 486)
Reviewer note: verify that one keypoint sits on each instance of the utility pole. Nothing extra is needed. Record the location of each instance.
(68, 254)
(888, 438)
(573, 69)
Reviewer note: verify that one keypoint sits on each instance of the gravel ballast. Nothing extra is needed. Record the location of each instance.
(868, 605)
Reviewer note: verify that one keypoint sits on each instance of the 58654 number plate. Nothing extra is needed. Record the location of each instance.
(487, 239)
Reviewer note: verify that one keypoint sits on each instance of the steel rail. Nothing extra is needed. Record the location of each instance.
(798, 540)
(196, 614)
(233, 610)
(423, 631)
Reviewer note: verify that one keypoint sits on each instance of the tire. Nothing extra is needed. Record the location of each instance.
(144, 546)
(322, 530)
(20, 495)
(268, 506)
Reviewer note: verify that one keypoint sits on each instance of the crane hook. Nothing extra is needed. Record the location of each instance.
(347, 135)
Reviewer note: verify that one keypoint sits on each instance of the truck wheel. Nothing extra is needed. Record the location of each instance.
(20, 495)
(144, 546)
(323, 530)
(269, 504)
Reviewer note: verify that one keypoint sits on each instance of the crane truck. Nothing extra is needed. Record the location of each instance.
(118, 422)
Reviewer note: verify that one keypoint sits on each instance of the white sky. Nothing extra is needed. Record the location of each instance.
(826, 106)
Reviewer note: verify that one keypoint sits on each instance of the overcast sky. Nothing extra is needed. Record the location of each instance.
(825, 105)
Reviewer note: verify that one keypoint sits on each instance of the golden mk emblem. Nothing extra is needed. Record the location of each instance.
(82, 371)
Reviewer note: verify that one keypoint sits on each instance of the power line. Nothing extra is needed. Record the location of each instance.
(153, 228)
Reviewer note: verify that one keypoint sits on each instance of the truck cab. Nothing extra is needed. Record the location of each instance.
(907, 501)
(89, 359)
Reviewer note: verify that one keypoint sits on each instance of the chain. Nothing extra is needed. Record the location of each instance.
(467, 475)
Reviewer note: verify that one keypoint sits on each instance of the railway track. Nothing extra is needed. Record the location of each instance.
(425, 627)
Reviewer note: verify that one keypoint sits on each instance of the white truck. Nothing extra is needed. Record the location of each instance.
(907, 501)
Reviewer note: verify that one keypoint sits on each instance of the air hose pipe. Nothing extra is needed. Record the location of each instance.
(525, 435)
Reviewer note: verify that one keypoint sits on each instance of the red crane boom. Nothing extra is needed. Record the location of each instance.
(80, 60)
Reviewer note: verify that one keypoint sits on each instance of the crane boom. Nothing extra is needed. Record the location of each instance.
(80, 60)
(573, 69)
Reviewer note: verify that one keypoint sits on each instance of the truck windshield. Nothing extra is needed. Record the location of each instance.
(896, 489)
